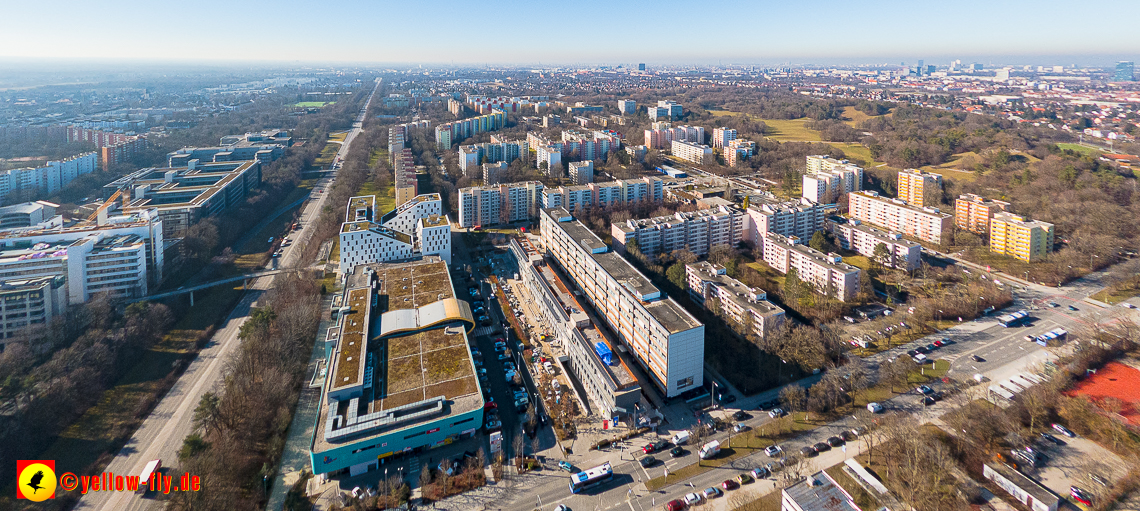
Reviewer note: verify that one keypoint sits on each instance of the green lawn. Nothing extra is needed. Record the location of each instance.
(1080, 149)
(314, 104)
(858, 261)
(783, 130)
(1113, 297)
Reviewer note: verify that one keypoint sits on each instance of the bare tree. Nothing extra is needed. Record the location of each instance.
(793, 398)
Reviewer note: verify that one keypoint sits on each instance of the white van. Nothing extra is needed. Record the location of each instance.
(681, 438)
(709, 450)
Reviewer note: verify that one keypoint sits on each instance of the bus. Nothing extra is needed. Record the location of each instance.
(593, 477)
(1014, 319)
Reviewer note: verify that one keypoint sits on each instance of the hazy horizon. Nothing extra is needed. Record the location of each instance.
(593, 32)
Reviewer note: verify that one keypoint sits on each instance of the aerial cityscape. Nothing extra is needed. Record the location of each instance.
(301, 258)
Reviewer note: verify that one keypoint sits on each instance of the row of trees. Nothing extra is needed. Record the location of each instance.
(240, 430)
(47, 382)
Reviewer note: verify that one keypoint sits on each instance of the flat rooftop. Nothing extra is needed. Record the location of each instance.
(820, 493)
(189, 187)
(420, 377)
(666, 311)
(881, 234)
(435, 221)
(376, 228)
(427, 364)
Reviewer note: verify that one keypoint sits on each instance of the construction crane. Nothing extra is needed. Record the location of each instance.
(119, 192)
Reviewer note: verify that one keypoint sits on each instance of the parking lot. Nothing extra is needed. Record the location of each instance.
(1076, 462)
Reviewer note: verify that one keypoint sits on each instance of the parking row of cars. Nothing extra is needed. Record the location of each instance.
(919, 353)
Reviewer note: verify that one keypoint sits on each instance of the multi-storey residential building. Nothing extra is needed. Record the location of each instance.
(800, 218)
(604, 374)
(457, 131)
(580, 144)
(664, 339)
(695, 153)
(738, 150)
(498, 204)
(637, 152)
(29, 305)
(551, 120)
(1017, 237)
(665, 109)
(698, 231)
(827, 272)
(580, 108)
(739, 303)
(919, 187)
(549, 159)
(827, 179)
(627, 106)
(973, 212)
(51, 177)
(582, 172)
(401, 379)
(121, 152)
(722, 136)
(926, 224)
(901, 253)
(119, 254)
(497, 150)
(398, 135)
(662, 135)
(819, 163)
(415, 228)
(606, 194)
(493, 172)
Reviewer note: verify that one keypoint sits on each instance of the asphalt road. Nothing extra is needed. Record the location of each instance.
(162, 432)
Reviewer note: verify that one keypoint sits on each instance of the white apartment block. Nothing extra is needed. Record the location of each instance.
(800, 218)
(698, 231)
(722, 136)
(604, 194)
(853, 235)
(695, 153)
(828, 178)
(582, 172)
(493, 172)
(498, 204)
(551, 156)
(29, 305)
(827, 272)
(667, 341)
(627, 106)
(415, 228)
(738, 302)
(51, 177)
(121, 255)
(926, 224)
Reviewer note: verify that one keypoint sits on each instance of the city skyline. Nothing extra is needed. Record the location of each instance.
(388, 32)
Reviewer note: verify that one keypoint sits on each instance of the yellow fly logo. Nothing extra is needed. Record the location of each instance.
(35, 480)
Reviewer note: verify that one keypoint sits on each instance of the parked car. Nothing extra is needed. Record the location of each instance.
(1063, 430)
(729, 484)
(1080, 495)
(927, 401)
(693, 499)
(924, 390)
(712, 492)
(773, 450)
(808, 451)
(835, 441)
(821, 447)
(494, 424)
(847, 436)
(677, 452)
(675, 505)
(647, 461)
(1072, 308)
(566, 466)
(874, 407)
(759, 472)
(1052, 439)
(776, 412)
(741, 415)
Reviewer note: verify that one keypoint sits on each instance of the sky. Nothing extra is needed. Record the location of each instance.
(658, 32)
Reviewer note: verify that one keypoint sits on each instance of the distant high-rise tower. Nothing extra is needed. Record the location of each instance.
(919, 69)
(641, 67)
(1124, 71)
